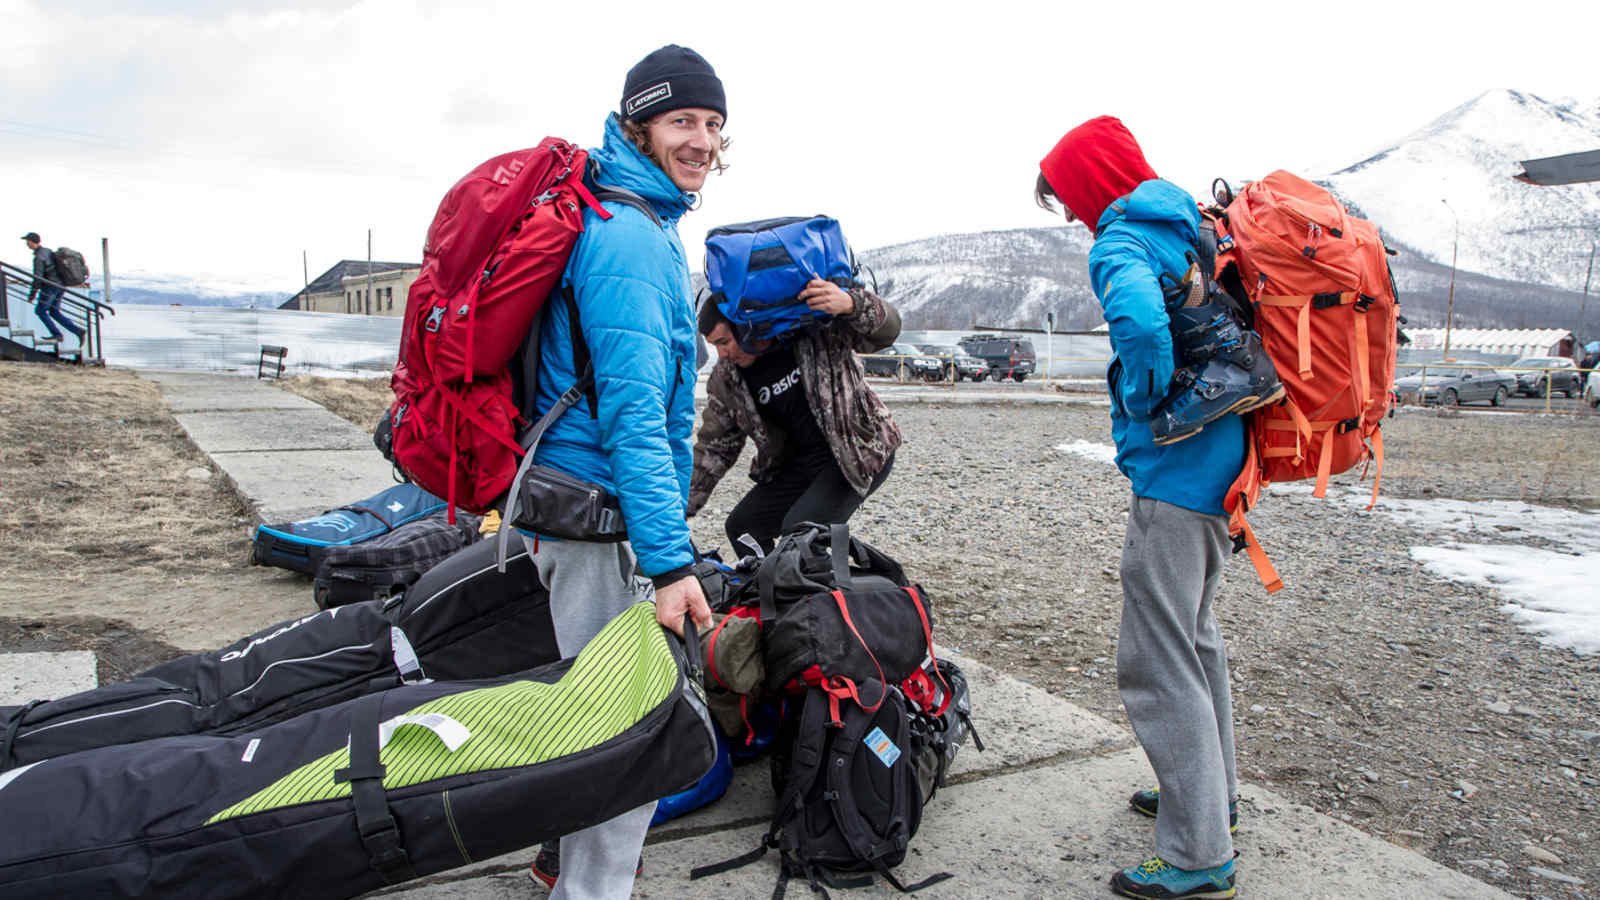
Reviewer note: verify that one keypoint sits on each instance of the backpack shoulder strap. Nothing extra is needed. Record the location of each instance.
(1205, 246)
(604, 192)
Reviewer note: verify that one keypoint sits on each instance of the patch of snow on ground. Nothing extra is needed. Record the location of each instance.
(1089, 450)
(1553, 592)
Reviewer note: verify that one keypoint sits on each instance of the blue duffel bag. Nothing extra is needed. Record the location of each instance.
(756, 270)
(301, 545)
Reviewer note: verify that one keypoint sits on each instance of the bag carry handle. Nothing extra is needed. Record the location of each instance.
(839, 537)
(375, 822)
(691, 646)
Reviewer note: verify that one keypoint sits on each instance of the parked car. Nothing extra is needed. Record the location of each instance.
(1564, 376)
(1008, 357)
(901, 361)
(966, 365)
(1591, 391)
(1453, 385)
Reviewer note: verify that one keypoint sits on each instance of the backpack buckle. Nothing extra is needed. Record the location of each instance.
(1349, 425)
(544, 197)
(1363, 302)
(435, 319)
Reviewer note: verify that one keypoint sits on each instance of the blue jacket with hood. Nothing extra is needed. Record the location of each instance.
(1138, 238)
(636, 309)
(1143, 228)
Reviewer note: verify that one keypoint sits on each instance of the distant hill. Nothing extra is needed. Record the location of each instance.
(164, 290)
(1523, 248)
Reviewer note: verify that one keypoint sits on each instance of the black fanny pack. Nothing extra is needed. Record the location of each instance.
(551, 502)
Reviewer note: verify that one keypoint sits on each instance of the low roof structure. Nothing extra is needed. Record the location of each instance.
(1508, 341)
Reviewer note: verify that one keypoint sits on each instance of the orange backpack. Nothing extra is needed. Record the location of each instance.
(1318, 283)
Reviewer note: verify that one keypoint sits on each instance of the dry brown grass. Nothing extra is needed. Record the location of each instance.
(102, 527)
(93, 477)
(362, 401)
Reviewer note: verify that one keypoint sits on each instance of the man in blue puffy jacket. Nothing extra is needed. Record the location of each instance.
(631, 435)
(1172, 667)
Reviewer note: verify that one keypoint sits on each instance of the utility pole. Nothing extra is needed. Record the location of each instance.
(1583, 307)
(305, 273)
(1450, 305)
(369, 271)
(105, 270)
(1049, 343)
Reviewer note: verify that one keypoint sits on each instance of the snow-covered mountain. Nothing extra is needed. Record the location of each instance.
(1464, 161)
(1523, 248)
(1008, 278)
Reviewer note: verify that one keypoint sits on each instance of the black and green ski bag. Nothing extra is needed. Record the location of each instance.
(380, 789)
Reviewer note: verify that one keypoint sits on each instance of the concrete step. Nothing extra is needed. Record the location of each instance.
(22, 333)
(45, 675)
(5, 323)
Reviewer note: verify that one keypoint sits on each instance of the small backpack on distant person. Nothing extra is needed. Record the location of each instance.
(72, 268)
(1314, 282)
(756, 271)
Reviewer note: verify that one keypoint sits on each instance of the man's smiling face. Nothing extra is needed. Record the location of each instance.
(686, 142)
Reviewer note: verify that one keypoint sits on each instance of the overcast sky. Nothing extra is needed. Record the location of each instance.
(219, 140)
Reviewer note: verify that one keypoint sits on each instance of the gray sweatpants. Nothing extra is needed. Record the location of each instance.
(591, 584)
(1172, 671)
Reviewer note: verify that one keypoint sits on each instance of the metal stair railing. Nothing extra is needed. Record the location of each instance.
(83, 310)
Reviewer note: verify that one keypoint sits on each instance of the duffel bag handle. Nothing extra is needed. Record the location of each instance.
(691, 647)
(839, 538)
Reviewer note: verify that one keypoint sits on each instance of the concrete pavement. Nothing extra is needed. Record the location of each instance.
(1041, 813)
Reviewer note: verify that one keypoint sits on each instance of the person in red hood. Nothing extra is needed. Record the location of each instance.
(1172, 667)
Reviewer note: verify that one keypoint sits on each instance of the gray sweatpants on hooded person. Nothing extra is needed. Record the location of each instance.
(1172, 672)
(590, 584)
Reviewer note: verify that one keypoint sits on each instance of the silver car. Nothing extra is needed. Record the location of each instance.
(1454, 385)
(1563, 376)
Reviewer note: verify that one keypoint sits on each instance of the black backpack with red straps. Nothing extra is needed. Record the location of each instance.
(875, 719)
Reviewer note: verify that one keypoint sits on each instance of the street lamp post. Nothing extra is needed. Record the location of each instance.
(1450, 305)
(1583, 307)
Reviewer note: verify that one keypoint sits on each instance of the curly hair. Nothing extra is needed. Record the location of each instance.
(639, 134)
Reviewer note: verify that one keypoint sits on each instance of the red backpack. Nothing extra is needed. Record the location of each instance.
(496, 249)
(1324, 302)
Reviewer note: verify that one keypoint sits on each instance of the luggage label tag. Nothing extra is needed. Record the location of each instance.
(881, 747)
(452, 733)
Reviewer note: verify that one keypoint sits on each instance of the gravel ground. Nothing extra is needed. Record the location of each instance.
(1368, 689)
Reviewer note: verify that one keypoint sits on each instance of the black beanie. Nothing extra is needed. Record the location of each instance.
(673, 77)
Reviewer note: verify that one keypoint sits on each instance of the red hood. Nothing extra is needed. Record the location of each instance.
(1094, 164)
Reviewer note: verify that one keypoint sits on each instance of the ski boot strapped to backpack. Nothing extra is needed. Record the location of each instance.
(1227, 369)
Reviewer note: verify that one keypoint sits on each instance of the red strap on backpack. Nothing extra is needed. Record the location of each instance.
(927, 635)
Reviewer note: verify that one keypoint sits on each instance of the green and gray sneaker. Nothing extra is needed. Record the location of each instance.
(1155, 879)
(1148, 801)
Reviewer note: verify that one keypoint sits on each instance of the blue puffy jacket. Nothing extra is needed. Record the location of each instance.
(1138, 238)
(631, 280)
